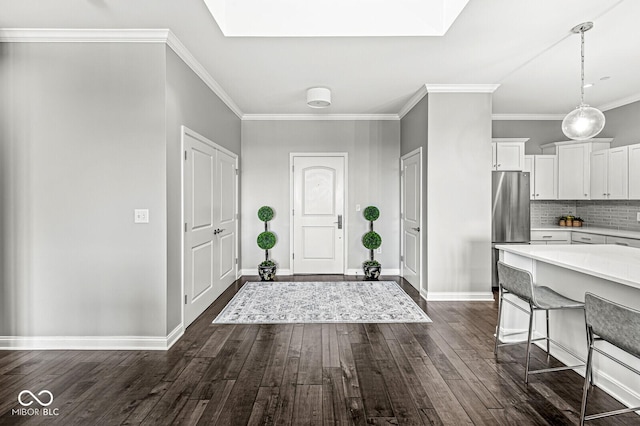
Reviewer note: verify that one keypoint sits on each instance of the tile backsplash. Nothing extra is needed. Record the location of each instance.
(546, 213)
(616, 214)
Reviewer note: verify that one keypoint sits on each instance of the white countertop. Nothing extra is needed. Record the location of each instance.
(611, 262)
(592, 230)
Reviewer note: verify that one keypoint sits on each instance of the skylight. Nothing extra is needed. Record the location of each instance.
(334, 18)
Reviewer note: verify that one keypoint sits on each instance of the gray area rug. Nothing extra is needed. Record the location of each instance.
(321, 302)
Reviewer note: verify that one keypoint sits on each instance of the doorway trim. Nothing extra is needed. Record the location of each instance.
(184, 131)
(345, 240)
(418, 151)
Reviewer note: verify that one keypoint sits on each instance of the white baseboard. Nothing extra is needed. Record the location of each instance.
(128, 343)
(445, 296)
(254, 272)
(385, 271)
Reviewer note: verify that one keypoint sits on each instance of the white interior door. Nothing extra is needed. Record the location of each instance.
(210, 189)
(411, 182)
(318, 214)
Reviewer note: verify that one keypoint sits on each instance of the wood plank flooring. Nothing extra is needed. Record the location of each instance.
(441, 373)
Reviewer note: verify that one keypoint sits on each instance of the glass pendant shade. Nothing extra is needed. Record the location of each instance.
(583, 123)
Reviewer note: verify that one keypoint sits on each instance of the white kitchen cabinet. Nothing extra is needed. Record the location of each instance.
(621, 241)
(550, 237)
(634, 172)
(610, 174)
(508, 153)
(543, 172)
(587, 238)
(574, 166)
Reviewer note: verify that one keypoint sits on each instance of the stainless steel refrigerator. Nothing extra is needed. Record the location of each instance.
(510, 212)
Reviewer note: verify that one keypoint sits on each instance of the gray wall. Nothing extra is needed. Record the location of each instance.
(82, 145)
(191, 103)
(622, 124)
(373, 148)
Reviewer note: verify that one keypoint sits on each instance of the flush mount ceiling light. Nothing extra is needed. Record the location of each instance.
(584, 122)
(318, 97)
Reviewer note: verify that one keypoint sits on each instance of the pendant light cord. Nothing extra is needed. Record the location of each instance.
(582, 67)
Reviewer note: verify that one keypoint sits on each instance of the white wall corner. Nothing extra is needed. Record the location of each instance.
(413, 101)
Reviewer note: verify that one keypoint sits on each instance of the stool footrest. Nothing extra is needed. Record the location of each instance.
(548, 370)
(611, 413)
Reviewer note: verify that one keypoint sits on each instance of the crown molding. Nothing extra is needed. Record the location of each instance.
(73, 35)
(320, 117)
(461, 88)
(540, 117)
(417, 97)
(620, 102)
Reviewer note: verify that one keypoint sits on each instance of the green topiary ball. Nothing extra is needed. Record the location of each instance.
(266, 240)
(265, 213)
(371, 240)
(371, 213)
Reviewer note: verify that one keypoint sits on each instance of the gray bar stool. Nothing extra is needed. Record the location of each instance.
(613, 323)
(519, 283)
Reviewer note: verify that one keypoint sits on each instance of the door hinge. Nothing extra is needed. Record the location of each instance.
(237, 215)
(292, 169)
(400, 215)
(185, 227)
(185, 155)
(293, 212)
(185, 299)
(401, 258)
(237, 172)
(236, 260)
(293, 255)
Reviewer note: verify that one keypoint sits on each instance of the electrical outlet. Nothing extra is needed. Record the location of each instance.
(141, 216)
(379, 251)
(357, 207)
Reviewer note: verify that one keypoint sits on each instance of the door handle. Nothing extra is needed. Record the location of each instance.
(218, 231)
(416, 229)
(339, 222)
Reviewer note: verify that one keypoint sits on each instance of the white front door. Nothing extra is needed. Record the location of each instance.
(318, 214)
(210, 223)
(411, 182)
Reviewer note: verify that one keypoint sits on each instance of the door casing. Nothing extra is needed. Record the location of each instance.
(183, 132)
(417, 151)
(345, 220)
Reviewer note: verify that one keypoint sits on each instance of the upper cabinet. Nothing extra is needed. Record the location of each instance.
(545, 177)
(574, 165)
(610, 174)
(634, 172)
(508, 153)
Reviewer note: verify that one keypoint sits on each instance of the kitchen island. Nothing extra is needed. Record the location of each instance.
(610, 271)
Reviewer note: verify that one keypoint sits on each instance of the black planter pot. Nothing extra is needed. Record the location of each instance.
(267, 273)
(371, 272)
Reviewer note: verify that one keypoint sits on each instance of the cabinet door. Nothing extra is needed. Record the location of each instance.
(573, 172)
(618, 173)
(510, 156)
(634, 172)
(546, 177)
(529, 161)
(599, 162)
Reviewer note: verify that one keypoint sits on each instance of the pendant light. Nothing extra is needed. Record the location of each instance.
(584, 122)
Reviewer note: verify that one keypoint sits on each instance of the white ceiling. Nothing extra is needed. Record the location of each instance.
(525, 46)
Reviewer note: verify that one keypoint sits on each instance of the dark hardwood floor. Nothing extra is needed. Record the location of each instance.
(444, 372)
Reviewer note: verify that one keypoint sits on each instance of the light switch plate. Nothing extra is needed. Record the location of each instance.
(357, 207)
(379, 251)
(141, 216)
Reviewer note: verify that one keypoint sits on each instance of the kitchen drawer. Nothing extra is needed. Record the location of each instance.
(556, 236)
(585, 238)
(623, 241)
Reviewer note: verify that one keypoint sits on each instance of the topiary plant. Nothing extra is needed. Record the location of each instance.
(266, 241)
(371, 241)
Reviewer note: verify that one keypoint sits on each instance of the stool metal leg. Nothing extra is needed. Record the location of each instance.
(548, 353)
(588, 377)
(526, 370)
(495, 349)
